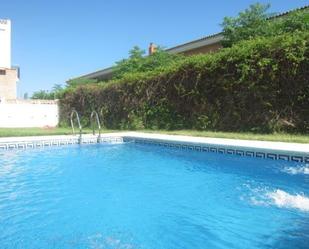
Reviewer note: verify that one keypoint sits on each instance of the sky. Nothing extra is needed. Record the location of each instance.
(53, 41)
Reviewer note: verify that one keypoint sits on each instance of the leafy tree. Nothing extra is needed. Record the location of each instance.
(159, 60)
(249, 23)
(256, 21)
(136, 53)
(57, 88)
(138, 63)
(132, 64)
(80, 81)
(42, 94)
(297, 21)
(56, 93)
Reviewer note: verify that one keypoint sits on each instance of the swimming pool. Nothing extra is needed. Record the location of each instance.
(131, 195)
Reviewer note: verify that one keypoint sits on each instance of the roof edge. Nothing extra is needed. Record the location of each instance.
(207, 40)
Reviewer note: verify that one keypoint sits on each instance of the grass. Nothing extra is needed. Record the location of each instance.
(282, 137)
(21, 132)
(278, 137)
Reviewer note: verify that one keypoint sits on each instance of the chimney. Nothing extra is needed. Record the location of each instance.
(152, 49)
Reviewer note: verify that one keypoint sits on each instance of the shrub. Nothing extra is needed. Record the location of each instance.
(256, 85)
(138, 63)
(255, 21)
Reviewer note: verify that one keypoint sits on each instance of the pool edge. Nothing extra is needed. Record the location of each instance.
(249, 148)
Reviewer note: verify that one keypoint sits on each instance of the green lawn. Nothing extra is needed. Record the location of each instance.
(20, 132)
(282, 137)
(298, 138)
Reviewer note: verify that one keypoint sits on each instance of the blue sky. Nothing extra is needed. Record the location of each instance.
(53, 41)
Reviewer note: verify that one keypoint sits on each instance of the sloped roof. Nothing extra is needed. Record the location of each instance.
(218, 36)
(289, 11)
(204, 41)
(106, 73)
(102, 74)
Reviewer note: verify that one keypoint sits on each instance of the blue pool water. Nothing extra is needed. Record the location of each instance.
(127, 196)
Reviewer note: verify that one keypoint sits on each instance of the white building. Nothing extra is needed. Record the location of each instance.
(8, 75)
(20, 113)
(5, 43)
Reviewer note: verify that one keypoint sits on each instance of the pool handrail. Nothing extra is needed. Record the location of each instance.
(79, 125)
(95, 115)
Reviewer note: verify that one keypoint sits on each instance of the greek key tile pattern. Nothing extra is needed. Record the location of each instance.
(224, 150)
(263, 154)
(56, 142)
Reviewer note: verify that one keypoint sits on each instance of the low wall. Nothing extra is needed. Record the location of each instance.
(29, 113)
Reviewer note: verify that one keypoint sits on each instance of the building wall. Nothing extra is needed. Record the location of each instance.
(8, 76)
(29, 114)
(8, 80)
(204, 50)
(5, 43)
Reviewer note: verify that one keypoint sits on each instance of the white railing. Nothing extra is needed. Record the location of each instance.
(74, 112)
(94, 118)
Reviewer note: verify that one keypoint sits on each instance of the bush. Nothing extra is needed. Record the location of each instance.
(256, 85)
(255, 21)
(138, 63)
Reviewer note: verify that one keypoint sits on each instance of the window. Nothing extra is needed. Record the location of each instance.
(2, 72)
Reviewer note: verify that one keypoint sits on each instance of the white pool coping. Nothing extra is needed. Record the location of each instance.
(296, 152)
(41, 138)
(253, 144)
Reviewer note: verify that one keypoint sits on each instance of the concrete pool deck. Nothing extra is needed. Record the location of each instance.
(297, 147)
(300, 152)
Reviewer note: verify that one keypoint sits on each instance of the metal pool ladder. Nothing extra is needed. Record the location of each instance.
(94, 115)
(79, 125)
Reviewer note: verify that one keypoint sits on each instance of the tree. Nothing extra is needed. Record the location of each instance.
(248, 24)
(297, 21)
(42, 94)
(55, 93)
(132, 64)
(57, 88)
(138, 63)
(255, 21)
(80, 81)
(136, 53)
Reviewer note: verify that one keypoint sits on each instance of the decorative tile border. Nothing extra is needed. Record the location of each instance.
(56, 142)
(263, 154)
(182, 145)
(36, 144)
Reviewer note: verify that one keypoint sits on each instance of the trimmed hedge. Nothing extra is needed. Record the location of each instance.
(257, 85)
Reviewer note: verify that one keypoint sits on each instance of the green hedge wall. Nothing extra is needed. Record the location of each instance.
(257, 85)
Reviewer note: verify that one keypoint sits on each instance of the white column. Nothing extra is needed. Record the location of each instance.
(5, 43)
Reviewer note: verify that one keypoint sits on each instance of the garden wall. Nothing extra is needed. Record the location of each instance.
(29, 113)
